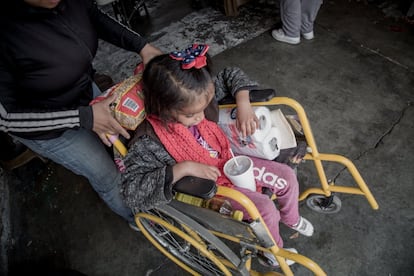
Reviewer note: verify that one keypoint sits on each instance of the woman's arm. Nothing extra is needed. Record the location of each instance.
(28, 122)
(47, 123)
(119, 35)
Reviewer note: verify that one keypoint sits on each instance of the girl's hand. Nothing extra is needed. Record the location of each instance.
(191, 168)
(246, 120)
(104, 123)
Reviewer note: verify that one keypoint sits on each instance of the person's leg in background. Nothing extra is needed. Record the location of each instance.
(310, 9)
(290, 14)
(82, 152)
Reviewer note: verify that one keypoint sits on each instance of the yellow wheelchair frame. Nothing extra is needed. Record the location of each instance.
(205, 242)
(313, 154)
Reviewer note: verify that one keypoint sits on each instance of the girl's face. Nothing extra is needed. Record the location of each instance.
(193, 114)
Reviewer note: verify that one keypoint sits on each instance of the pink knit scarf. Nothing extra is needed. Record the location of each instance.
(182, 145)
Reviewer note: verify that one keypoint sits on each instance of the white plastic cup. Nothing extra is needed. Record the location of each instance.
(242, 175)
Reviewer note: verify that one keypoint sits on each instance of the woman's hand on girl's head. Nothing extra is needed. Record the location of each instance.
(104, 123)
(148, 52)
(191, 168)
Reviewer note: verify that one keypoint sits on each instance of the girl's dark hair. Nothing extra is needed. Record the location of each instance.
(168, 87)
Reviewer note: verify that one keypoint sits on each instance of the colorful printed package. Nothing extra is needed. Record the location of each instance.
(128, 108)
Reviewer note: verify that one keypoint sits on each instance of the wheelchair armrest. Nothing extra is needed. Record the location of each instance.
(196, 186)
(256, 95)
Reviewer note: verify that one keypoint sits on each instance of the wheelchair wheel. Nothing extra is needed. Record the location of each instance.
(187, 243)
(323, 204)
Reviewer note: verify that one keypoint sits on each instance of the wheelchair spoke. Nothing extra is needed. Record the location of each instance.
(184, 244)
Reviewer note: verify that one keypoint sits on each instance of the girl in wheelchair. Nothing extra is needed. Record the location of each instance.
(180, 137)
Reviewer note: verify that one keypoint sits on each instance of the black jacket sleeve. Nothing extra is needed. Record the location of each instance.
(114, 32)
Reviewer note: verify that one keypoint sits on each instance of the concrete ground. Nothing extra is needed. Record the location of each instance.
(356, 83)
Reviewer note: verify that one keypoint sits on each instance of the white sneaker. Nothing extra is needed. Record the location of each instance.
(269, 260)
(304, 227)
(279, 35)
(308, 36)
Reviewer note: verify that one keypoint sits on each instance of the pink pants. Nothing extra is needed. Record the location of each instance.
(281, 179)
